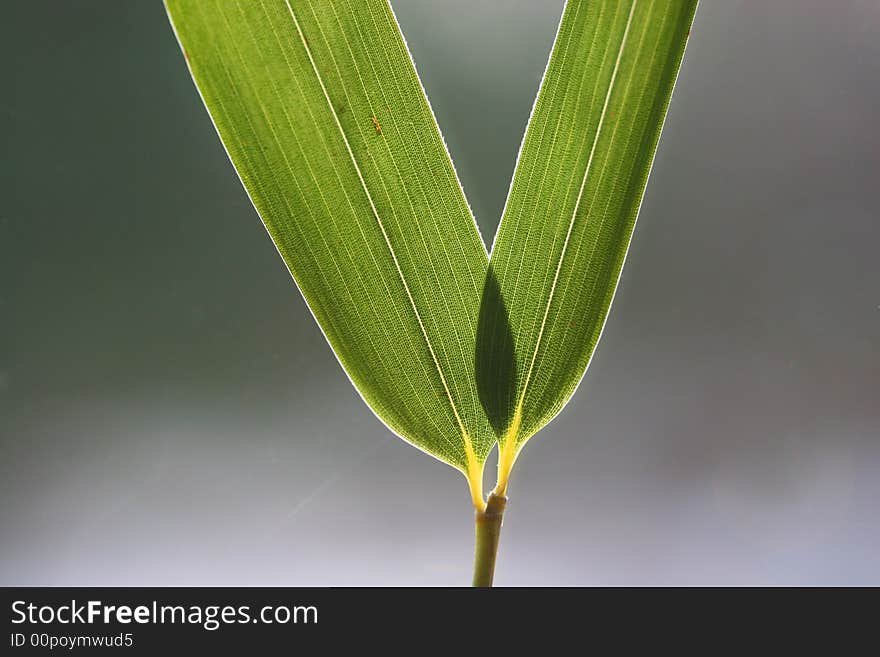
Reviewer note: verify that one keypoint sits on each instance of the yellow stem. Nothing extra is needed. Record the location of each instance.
(507, 452)
(506, 458)
(474, 476)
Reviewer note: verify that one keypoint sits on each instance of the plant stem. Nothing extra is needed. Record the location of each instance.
(488, 530)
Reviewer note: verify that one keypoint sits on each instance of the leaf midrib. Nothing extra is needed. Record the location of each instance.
(599, 128)
(332, 216)
(464, 433)
(455, 326)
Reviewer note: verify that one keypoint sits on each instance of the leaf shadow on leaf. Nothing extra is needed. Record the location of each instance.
(495, 360)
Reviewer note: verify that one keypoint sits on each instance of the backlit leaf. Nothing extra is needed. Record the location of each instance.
(321, 111)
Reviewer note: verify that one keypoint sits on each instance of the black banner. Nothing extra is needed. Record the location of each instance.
(167, 621)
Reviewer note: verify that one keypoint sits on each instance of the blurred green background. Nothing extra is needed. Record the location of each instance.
(170, 413)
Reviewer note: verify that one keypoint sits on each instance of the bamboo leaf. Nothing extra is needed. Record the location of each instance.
(321, 111)
(577, 187)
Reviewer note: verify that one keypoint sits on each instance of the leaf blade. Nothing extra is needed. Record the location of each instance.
(322, 114)
(573, 203)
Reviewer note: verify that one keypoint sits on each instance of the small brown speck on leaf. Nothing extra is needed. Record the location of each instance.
(376, 125)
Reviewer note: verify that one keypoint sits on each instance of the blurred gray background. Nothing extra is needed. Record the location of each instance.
(170, 413)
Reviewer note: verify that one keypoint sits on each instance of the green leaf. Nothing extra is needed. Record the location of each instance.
(321, 111)
(577, 187)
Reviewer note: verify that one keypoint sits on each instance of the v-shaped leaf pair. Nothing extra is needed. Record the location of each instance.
(322, 113)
